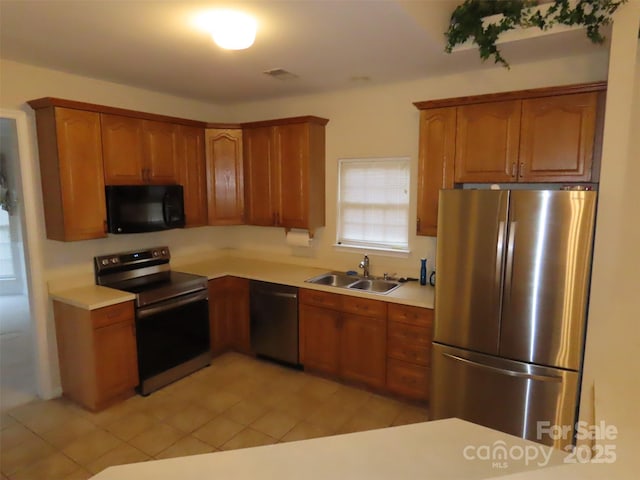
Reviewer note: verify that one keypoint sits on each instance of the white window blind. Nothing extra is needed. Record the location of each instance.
(373, 203)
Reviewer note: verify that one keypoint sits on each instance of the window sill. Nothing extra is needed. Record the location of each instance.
(385, 252)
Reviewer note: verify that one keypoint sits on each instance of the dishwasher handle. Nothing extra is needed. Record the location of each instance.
(281, 294)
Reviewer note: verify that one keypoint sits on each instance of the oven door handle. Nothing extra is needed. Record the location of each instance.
(171, 304)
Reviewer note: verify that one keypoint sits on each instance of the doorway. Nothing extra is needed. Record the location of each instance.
(17, 352)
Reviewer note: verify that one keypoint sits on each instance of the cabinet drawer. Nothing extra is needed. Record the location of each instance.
(320, 299)
(407, 379)
(408, 352)
(422, 317)
(409, 334)
(364, 306)
(120, 312)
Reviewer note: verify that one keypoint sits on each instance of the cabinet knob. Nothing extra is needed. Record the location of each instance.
(513, 169)
(521, 171)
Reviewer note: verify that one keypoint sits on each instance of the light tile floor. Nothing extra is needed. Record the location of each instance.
(237, 402)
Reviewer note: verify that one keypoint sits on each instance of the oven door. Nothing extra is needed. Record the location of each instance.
(172, 339)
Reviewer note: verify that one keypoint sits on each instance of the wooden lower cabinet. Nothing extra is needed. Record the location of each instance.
(337, 342)
(409, 336)
(363, 349)
(320, 339)
(97, 353)
(407, 379)
(229, 314)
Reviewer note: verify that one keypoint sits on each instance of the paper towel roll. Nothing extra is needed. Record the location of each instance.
(298, 238)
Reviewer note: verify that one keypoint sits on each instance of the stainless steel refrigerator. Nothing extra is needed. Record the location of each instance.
(511, 300)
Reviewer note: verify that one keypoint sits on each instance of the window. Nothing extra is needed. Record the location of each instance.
(373, 203)
(7, 269)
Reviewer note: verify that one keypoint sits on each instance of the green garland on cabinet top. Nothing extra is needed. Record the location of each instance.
(467, 20)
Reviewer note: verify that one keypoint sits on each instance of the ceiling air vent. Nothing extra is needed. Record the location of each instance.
(281, 74)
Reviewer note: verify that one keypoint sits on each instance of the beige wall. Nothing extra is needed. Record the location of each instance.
(367, 121)
(612, 366)
(381, 121)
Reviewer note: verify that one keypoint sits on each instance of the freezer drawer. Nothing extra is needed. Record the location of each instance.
(502, 394)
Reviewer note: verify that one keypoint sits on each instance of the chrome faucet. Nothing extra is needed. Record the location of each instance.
(364, 264)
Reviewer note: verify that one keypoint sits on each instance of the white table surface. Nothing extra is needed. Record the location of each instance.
(429, 450)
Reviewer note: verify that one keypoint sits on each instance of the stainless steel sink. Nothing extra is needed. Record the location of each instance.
(375, 286)
(352, 282)
(334, 279)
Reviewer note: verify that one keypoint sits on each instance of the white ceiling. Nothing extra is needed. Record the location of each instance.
(328, 44)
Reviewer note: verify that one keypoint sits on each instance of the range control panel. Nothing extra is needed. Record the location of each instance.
(135, 258)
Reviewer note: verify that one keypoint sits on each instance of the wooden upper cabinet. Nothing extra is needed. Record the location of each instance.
(284, 162)
(160, 139)
(292, 147)
(301, 147)
(139, 151)
(259, 175)
(557, 138)
(123, 150)
(224, 177)
(435, 164)
(192, 174)
(487, 140)
(69, 145)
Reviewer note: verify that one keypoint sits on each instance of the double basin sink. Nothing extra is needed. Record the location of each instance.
(352, 282)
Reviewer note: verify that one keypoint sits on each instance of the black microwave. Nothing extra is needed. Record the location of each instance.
(144, 208)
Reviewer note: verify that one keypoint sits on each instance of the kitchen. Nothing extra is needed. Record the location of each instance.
(358, 113)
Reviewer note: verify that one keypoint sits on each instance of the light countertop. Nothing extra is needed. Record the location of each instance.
(429, 450)
(92, 296)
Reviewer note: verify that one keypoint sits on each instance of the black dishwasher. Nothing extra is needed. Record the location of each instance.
(274, 321)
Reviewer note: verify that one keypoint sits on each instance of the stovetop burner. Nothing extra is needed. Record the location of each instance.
(147, 274)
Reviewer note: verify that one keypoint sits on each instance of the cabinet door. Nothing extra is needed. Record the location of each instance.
(557, 138)
(191, 172)
(115, 359)
(258, 149)
(487, 139)
(319, 339)
(122, 150)
(218, 326)
(237, 313)
(408, 379)
(160, 141)
(363, 349)
(225, 184)
(82, 214)
(292, 187)
(435, 164)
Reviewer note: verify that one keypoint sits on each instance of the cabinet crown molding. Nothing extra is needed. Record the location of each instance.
(46, 102)
(513, 95)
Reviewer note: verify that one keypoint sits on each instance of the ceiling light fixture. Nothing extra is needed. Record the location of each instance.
(230, 29)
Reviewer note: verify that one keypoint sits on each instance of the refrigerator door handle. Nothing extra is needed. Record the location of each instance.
(511, 373)
(499, 253)
(509, 265)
